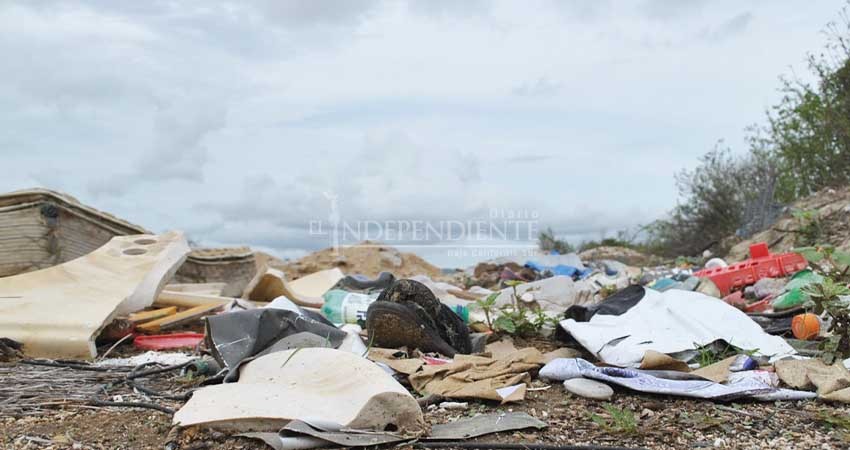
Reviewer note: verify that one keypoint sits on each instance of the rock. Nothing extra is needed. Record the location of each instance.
(769, 286)
(591, 389)
(454, 406)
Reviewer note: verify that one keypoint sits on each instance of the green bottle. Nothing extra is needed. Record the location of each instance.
(794, 295)
(346, 307)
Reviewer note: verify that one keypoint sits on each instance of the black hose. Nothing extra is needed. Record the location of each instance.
(134, 374)
(501, 446)
(780, 314)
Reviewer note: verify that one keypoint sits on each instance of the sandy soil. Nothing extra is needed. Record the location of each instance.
(367, 258)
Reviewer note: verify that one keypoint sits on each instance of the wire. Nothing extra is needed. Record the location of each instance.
(130, 380)
(96, 402)
(134, 374)
(71, 365)
(103, 356)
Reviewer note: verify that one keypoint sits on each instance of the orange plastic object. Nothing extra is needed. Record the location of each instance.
(805, 326)
(762, 264)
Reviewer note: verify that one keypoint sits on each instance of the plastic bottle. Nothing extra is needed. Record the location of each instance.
(794, 295)
(346, 307)
(462, 311)
(742, 363)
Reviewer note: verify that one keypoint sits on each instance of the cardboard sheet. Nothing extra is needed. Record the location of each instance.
(310, 384)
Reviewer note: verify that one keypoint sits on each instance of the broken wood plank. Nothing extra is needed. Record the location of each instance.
(189, 300)
(196, 288)
(179, 318)
(147, 316)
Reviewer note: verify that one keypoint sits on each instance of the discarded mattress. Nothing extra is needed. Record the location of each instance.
(671, 322)
(57, 312)
(309, 384)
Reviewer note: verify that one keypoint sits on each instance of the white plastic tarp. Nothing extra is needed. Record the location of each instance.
(554, 295)
(671, 322)
(753, 384)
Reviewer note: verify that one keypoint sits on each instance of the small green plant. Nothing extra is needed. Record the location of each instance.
(620, 420)
(809, 230)
(514, 318)
(688, 261)
(839, 423)
(825, 297)
(488, 305)
(607, 291)
(713, 353)
(540, 319)
(827, 260)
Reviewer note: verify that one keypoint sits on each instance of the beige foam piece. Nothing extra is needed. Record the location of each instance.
(306, 291)
(57, 312)
(310, 384)
(197, 288)
(317, 283)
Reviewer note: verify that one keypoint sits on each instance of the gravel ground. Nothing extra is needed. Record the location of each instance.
(659, 423)
(629, 420)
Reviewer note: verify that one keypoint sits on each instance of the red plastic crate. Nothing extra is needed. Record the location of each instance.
(762, 264)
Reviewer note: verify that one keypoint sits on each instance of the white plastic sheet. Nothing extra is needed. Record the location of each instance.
(753, 384)
(671, 322)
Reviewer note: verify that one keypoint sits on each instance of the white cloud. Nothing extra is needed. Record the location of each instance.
(541, 87)
(728, 28)
(231, 119)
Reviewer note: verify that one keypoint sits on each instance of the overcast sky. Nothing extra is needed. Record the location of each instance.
(232, 120)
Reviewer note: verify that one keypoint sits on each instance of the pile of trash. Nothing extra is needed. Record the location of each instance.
(342, 358)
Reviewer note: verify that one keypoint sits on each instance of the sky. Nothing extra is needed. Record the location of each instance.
(266, 122)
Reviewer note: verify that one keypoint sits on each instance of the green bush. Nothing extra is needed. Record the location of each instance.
(547, 241)
(804, 147)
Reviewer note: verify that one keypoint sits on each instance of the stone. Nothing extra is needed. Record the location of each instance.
(769, 286)
(592, 389)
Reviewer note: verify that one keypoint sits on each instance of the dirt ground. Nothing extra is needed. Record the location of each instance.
(661, 423)
(629, 420)
(366, 258)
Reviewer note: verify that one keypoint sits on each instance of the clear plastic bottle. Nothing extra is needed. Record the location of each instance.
(346, 307)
